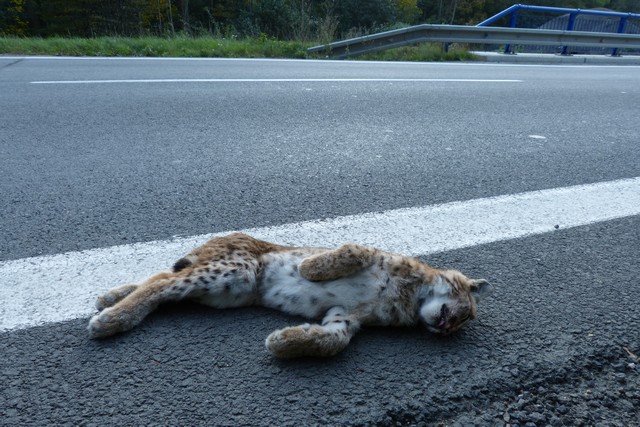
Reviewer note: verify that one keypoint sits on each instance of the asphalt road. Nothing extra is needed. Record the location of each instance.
(100, 164)
(97, 165)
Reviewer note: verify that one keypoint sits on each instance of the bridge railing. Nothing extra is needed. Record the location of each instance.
(557, 18)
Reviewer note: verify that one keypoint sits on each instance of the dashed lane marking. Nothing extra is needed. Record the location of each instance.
(276, 81)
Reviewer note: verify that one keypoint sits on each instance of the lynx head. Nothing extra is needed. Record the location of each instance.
(451, 300)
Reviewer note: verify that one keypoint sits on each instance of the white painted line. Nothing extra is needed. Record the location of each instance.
(273, 81)
(61, 287)
(321, 61)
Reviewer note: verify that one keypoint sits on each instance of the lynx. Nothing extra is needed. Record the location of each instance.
(347, 287)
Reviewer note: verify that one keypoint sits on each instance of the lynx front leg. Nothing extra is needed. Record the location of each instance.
(334, 264)
(324, 340)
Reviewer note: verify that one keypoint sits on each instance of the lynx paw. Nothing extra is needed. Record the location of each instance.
(113, 296)
(105, 324)
(105, 301)
(306, 340)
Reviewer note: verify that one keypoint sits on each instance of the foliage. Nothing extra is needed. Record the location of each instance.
(12, 17)
(178, 46)
(183, 46)
(367, 14)
(408, 11)
(422, 52)
(281, 19)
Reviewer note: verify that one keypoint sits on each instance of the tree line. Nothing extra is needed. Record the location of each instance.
(301, 20)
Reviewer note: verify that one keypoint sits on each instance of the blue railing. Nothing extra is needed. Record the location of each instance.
(558, 18)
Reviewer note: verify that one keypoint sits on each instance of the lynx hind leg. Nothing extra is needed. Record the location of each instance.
(207, 284)
(327, 339)
(114, 296)
(135, 305)
(334, 264)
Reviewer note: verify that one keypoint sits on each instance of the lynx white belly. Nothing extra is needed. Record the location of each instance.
(283, 288)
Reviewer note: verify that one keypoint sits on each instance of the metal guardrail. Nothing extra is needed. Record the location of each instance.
(483, 35)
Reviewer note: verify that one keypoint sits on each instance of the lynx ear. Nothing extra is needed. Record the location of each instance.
(480, 289)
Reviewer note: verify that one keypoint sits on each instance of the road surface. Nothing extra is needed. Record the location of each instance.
(118, 165)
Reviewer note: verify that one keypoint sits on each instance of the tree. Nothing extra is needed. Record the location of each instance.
(631, 6)
(12, 17)
(408, 11)
(365, 14)
(284, 19)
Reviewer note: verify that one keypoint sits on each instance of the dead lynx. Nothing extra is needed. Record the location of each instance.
(348, 287)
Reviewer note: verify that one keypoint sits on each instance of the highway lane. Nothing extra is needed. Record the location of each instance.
(547, 348)
(75, 278)
(88, 166)
(87, 68)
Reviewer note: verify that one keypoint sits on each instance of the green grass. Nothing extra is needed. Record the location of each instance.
(154, 46)
(422, 52)
(182, 46)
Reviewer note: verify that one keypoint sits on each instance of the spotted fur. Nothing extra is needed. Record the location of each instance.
(344, 288)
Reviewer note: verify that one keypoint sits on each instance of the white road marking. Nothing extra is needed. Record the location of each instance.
(319, 61)
(39, 290)
(274, 81)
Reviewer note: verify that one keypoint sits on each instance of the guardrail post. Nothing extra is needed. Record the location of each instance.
(572, 21)
(512, 24)
(621, 29)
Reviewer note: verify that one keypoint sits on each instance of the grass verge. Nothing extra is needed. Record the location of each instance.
(423, 52)
(154, 46)
(181, 46)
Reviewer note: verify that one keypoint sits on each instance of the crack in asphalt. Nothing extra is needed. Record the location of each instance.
(2, 67)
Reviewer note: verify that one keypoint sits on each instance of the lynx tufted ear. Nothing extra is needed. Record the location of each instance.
(480, 289)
